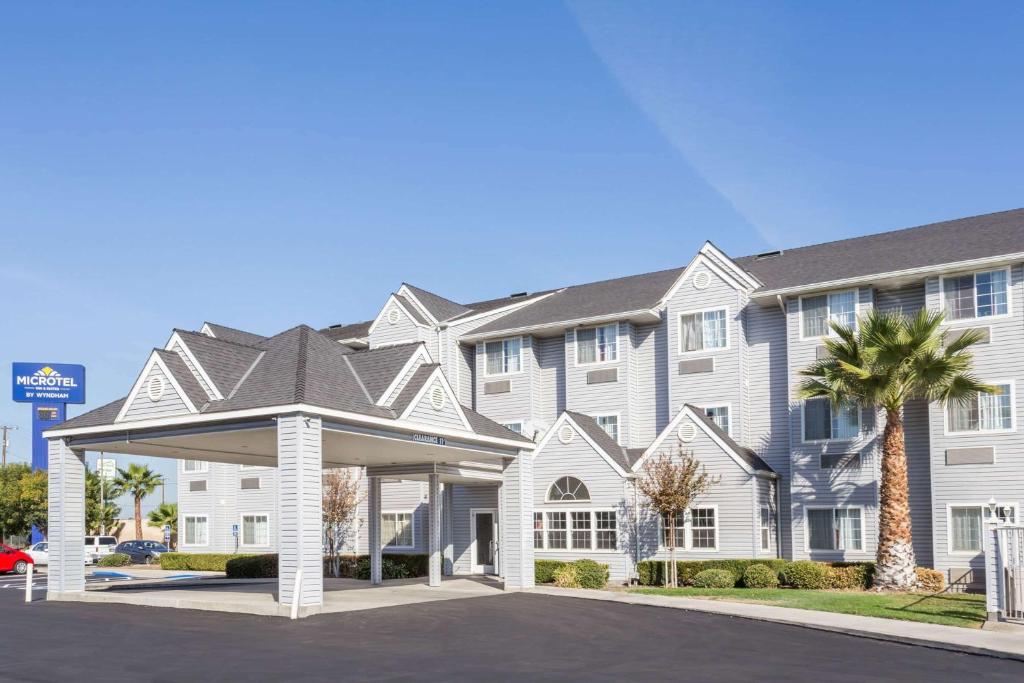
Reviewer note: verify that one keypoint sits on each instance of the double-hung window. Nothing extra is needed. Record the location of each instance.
(556, 531)
(983, 412)
(978, 295)
(581, 530)
(767, 522)
(255, 530)
(695, 529)
(196, 530)
(720, 416)
(703, 331)
(504, 357)
(585, 530)
(597, 344)
(396, 529)
(834, 529)
(194, 466)
(538, 530)
(610, 424)
(816, 312)
(966, 525)
(822, 422)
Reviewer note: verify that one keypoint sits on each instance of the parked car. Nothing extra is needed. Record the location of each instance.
(142, 552)
(14, 560)
(40, 554)
(98, 546)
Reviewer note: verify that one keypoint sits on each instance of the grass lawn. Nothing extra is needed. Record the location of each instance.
(952, 609)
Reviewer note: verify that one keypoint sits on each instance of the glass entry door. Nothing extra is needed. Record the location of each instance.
(484, 547)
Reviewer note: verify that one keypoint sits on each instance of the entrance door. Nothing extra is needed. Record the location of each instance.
(484, 546)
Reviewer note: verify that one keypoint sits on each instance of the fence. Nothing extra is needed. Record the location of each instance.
(1004, 568)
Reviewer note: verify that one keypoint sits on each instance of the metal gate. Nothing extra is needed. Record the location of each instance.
(1010, 556)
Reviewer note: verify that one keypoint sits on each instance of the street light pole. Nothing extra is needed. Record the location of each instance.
(5, 429)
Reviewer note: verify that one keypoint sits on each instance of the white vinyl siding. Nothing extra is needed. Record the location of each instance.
(504, 357)
(983, 412)
(597, 344)
(816, 312)
(703, 330)
(978, 295)
(835, 529)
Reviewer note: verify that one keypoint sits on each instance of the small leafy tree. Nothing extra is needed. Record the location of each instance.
(138, 481)
(340, 502)
(101, 513)
(23, 500)
(165, 515)
(671, 485)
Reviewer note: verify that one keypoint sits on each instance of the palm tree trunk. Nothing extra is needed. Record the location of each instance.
(894, 562)
(138, 518)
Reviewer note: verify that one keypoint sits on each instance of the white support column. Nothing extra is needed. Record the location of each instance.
(516, 523)
(300, 510)
(448, 552)
(994, 590)
(374, 528)
(434, 531)
(66, 522)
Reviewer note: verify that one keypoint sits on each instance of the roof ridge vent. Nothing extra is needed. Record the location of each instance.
(768, 254)
(518, 295)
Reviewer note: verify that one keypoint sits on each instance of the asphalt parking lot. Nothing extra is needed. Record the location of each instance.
(507, 637)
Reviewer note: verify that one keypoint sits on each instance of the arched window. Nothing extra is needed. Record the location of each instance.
(568, 489)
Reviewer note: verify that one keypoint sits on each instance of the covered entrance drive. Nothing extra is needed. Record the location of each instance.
(301, 441)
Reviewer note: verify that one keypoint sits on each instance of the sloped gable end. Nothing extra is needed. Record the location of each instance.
(156, 394)
(687, 432)
(568, 439)
(436, 404)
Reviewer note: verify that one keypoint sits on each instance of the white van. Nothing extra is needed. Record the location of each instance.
(98, 546)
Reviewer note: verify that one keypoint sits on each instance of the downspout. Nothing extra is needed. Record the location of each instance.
(636, 532)
(778, 518)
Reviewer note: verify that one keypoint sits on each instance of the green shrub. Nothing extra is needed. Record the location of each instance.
(199, 562)
(760, 576)
(714, 578)
(806, 574)
(850, 575)
(567, 576)
(544, 570)
(252, 567)
(115, 560)
(389, 569)
(652, 572)
(931, 580)
(590, 574)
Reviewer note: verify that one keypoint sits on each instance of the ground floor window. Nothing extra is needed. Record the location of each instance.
(767, 524)
(835, 529)
(695, 529)
(255, 530)
(966, 525)
(575, 530)
(396, 529)
(196, 530)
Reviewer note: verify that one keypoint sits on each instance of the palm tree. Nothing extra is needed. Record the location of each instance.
(137, 481)
(891, 359)
(165, 515)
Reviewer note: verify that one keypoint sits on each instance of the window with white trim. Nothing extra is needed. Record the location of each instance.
(255, 530)
(703, 331)
(196, 530)
(504, 357)
(835, 529)
(516, 427)
(585, 529)
(610, 424)
(983, 412)
(978, 295)
(597, 344)
(816, 312)
(720, 416)
(767, 523)
(568, 489)
(822, 422)
(396, 529)
(695, 529)
(194, 466)
(966, 525)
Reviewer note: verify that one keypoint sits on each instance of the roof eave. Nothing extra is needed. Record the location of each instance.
(643, 315)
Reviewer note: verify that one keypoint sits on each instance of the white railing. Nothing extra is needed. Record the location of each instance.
(1010, 565)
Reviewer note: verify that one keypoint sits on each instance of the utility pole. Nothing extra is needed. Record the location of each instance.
(5, 429)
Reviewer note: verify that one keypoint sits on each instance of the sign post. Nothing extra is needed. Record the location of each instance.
(49, 387)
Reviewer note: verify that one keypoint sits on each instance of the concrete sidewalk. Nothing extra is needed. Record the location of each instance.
(999, 640)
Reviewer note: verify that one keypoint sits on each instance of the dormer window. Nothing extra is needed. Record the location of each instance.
(504, 357)
(978, 295)
(597, 344)
(816, 312)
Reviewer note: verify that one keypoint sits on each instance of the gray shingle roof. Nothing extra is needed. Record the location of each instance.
(963, 239)
(224, 361)
(351, 331)
(413, 311)
(412, 387)
(488, 427)
(103, 415)
(442, 309)
(749, 456)
(602, 439)
(621, 295)
(232, 335)
(377, 368)
(196, 394)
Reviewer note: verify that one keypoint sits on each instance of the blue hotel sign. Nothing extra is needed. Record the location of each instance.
(48, 383)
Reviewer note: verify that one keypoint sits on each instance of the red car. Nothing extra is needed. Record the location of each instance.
(12, 560)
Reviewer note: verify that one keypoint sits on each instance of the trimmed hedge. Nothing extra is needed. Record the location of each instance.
(714, 578)
(576, 574)
(931, 580)
(115, 560)
(591, 574)
(389, 569)
(199, 562)
(252, 567)
(265, 566)
(544, 570)
(760, 576)
(567, 576)
(806, 574)
(652, 572)
(850, 575)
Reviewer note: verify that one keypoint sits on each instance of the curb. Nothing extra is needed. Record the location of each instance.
(850, 631)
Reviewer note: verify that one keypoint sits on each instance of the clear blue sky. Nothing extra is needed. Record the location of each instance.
(267, 164)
